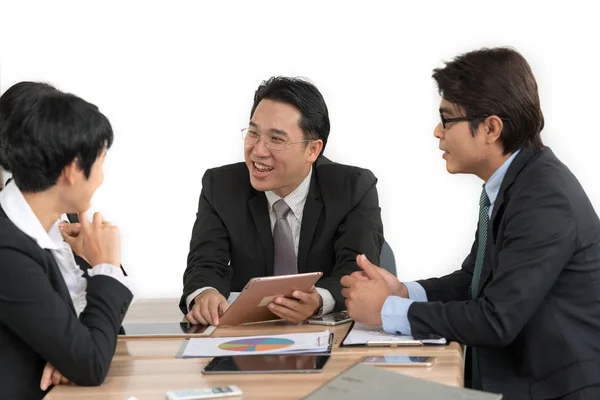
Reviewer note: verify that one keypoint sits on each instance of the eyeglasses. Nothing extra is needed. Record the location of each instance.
(448, 120)
(252, 137)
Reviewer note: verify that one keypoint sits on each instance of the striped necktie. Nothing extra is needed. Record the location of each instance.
(284, 255)
(484, 208)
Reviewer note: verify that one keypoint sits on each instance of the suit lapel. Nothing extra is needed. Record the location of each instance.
(310, 218)
(259, 209)
(513, 171)
(511, 174)
(57, 280)
(48, 263)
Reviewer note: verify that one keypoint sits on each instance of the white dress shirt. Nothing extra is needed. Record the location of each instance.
(295, 200)
(20, 213)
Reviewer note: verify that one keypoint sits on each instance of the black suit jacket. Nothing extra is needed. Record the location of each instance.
(536, 319)
(38, 323)
(232, 240)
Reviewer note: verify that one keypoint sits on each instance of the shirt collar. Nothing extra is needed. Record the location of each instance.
(20, 213)
(492, 186)
(295, 200)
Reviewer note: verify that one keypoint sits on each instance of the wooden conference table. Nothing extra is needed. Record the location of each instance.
(147, 368)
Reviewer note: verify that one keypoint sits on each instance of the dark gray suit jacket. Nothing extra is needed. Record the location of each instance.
(232, 240)
(536, 319)
(38, 323)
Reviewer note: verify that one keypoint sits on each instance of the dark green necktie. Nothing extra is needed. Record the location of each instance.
(484, 208)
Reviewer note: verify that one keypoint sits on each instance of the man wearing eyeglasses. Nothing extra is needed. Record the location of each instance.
(526, 301)
(286, 210)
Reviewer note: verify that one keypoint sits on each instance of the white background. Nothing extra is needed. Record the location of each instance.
(177, 79)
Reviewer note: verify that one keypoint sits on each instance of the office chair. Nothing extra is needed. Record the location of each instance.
(387, 259)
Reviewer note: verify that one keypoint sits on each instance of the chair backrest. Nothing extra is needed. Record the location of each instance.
(387, 259)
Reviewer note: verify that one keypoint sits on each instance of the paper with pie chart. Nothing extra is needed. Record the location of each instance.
(257, 344)
(315, 342)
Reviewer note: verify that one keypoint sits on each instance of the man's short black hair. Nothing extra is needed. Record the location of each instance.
(496, 81)
(302, 95)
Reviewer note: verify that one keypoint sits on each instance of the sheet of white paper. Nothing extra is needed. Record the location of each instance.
(363, 334)
(314, 342)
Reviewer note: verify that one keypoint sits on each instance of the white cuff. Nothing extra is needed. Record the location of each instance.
(328, 301)
(191, 297)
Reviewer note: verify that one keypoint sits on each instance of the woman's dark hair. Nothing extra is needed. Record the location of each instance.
(44, 131)
(10, 98)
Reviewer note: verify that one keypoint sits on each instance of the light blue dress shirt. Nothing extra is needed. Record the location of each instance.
(394, 313)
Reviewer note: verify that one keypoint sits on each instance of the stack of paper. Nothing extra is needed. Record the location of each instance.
(361, 334)
(295, 343)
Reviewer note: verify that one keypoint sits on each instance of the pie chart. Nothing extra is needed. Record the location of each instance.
(256, 344)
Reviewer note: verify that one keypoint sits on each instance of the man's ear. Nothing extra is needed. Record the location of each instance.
(314, 148)
(493, 126)
(70, 173)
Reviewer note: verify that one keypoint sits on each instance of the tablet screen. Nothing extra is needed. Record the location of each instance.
(162, 329)
(267, 364)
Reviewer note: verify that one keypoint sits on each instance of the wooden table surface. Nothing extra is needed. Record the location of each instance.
(147, 368)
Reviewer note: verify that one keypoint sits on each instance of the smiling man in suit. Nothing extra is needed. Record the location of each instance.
(285, 210)
(526, 301)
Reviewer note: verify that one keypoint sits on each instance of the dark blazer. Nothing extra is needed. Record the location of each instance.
(38, 322)
(536, 319)
(232, 240)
